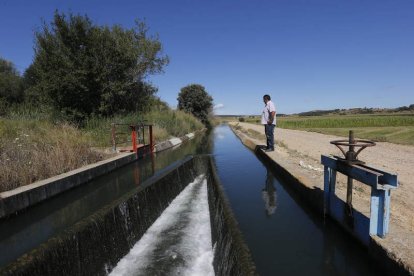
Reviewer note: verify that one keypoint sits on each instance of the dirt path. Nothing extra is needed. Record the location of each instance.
(304, 149)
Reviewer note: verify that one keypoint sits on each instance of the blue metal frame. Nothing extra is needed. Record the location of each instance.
(381, 184)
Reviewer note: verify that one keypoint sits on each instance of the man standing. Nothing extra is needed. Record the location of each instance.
(269, 121)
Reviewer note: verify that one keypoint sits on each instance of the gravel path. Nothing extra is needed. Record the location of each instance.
(386, 156)
(389, 157)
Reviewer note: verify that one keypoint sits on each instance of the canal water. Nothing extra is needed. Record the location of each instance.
(284, 237)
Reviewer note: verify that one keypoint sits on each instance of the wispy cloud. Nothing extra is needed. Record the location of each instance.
(217, 106)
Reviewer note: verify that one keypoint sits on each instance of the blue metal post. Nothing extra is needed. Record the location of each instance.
(380, 182)
(375, 215)
(380, 212)
(386, 222)
(326, 188)
(332, 186)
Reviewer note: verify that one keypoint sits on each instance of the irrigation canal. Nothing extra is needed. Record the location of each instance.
(283, 235)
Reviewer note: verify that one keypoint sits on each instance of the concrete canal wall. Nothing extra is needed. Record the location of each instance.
(23, 197)
(94, 245)
(231, 255)
(29, 195)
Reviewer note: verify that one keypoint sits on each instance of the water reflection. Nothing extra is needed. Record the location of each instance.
(269, 194)
(137, 169)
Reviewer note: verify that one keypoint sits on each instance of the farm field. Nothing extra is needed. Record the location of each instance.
(393, 128)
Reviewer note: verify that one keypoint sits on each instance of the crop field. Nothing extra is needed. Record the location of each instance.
(394, 128)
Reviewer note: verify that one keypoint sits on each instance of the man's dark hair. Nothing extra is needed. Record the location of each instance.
(267, 97)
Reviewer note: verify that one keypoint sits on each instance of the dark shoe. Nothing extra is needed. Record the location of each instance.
(269, 150)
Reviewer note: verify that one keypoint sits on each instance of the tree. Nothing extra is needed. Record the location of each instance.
(194, 99)
(11, 84)
(81, 68)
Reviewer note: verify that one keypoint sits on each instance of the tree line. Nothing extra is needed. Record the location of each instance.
(81, 69)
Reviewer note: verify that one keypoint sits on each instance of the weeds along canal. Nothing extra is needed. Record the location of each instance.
(283, 235)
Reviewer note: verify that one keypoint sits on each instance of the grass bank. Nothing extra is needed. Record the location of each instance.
(166, 123)
(33, 147)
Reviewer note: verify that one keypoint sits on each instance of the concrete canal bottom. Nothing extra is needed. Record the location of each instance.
(177, 223)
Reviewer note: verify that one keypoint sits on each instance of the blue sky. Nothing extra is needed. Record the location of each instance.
(306, 54)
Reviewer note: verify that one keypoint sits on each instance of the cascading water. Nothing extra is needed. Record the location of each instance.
(179, 241)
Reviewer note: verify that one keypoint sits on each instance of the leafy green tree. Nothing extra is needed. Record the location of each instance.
(194, 99)
(11, 84)
(82, 69)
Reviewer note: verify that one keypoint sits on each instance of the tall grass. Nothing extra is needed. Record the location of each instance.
(34, 147)
(28, 111)
(34, 150)
(167, 123)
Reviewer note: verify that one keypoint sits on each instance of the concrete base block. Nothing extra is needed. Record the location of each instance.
(175, 141)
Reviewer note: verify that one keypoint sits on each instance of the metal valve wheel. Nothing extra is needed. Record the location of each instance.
(351, 155)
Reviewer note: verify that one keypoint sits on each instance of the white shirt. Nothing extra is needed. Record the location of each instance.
(270, 107)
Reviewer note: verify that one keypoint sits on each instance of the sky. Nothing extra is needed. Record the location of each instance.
(306, 54)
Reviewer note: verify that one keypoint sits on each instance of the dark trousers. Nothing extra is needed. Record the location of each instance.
(270, 142)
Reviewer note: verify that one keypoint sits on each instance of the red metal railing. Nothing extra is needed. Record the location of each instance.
(136, 134)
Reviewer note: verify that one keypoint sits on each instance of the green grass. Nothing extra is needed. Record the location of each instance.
(349, 121)
(397, 129)
(167, 123)
(381, 128)
(397, 135)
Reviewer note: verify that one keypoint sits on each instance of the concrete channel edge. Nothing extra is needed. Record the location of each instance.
(314, 198)
(14, 201)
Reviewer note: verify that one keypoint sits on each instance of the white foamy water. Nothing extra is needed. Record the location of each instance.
(179, 241)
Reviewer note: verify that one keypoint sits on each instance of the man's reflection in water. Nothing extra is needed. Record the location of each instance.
(269, 194)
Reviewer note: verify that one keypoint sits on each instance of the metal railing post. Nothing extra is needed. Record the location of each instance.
(134, 138)
(113, 136)
(350, 156)
(151, 139)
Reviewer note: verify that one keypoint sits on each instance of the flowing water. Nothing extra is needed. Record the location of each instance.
(179, 241)
(283, 235)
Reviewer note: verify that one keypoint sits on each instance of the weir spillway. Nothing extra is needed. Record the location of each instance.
(146, 219)
(178, 242)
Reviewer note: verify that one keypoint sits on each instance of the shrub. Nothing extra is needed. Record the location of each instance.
(194, 99)
(82, 69)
